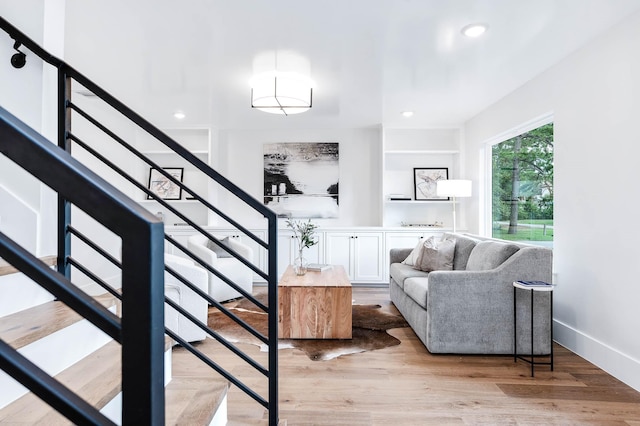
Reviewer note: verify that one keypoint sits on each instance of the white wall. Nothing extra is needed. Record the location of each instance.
(21, 90)
(241, 160)
(594, 95)
(21, 95)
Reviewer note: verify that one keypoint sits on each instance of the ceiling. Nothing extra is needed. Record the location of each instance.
(370, 59)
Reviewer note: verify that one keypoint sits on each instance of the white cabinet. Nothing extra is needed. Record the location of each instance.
(288, 250)
(361, 254)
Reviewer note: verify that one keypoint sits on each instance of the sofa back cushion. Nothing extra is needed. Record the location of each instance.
(464, 246)
(489, 255)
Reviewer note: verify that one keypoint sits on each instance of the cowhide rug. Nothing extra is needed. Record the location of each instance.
(369, 330)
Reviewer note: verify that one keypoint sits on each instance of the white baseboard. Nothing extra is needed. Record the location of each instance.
(621, 366)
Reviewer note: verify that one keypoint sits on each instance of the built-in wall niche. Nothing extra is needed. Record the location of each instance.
(198, 142)
(406, 149)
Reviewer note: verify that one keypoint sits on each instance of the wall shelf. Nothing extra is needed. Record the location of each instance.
(419, 202)
(198, 152)
(198, 142)
(406, 149)
(171, 201)
(422, 152)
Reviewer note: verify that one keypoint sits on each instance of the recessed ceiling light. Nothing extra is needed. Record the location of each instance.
(407, 113)
(179, 115)
(474, 30)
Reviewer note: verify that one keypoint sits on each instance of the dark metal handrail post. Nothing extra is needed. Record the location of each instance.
(273, 320)
(143, 327)
(64, 206)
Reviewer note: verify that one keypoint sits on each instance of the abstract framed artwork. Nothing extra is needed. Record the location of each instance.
(301, 179)
(425, 182)
(164, 187)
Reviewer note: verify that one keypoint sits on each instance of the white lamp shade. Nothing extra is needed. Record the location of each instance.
(453, 188)
(281, 92)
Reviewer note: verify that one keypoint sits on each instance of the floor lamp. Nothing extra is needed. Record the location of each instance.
(453, 188)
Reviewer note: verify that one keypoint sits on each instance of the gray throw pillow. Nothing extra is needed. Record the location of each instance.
(436, 255)
(489, 255)
(219, 251)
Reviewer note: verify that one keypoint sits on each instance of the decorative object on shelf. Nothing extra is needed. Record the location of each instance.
(425, 181)
(303, 233)
(164, 187)
(398, 197)
(454, 188)
(435, 224)
(301, 179)
(280, 92)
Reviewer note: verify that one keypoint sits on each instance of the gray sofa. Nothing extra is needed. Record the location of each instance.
(469, 310)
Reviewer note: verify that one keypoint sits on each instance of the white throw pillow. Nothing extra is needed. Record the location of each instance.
(415, 254)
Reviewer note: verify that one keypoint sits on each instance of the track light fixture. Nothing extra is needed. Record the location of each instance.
(18, 59)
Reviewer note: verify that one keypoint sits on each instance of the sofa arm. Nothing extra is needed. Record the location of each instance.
(397, 255)
(464, 308)
(197, 246)
(241, 248)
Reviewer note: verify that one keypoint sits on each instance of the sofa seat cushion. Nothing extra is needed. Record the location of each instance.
(417, 288)
(400, 272)
(489, 255)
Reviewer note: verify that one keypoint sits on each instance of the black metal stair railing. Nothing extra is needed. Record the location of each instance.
(69, 111)
(139, 330)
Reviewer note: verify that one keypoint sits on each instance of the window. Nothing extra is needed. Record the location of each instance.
(522, 187)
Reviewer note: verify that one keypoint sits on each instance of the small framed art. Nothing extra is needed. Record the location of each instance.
(425, 181)
(164, 187)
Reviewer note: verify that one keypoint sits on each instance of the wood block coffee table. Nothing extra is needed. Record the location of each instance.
(316, 305)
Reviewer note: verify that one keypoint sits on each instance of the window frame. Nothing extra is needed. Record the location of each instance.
(486, 217)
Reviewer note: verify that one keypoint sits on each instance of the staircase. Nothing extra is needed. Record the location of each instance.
(74, 358)
(92, 369)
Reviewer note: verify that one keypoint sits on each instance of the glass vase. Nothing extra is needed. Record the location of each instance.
(300, 265)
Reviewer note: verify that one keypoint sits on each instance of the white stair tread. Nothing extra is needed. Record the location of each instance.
(193, 400)
(27, 326)
(7, 269)
(96, 378)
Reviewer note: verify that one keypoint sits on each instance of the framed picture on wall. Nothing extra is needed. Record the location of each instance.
(301, 179)
(164, 187)
(425, 181)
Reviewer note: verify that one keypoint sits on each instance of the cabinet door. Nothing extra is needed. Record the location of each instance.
(181, 237)
(401, 240)
(286, 244)
(313, 254)
(368, 257)
(259, 253)
(338, 248)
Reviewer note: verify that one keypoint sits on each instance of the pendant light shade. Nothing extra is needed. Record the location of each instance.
(281, 92)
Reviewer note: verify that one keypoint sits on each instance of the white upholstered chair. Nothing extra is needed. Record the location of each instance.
(230, 267)
(185, 298)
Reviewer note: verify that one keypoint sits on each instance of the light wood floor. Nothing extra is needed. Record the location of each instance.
(406, 385)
